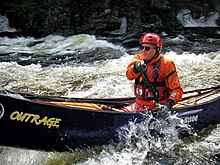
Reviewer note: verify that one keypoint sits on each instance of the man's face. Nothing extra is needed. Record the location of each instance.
(148, 51)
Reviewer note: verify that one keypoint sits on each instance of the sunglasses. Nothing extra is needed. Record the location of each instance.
(147, 48)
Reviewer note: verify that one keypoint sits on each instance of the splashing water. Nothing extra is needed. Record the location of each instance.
(149, 142)
(104, 79)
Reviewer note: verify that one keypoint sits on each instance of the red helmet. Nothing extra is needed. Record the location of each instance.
(151, 38)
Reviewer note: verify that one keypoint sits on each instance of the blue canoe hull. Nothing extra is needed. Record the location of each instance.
(26, 123)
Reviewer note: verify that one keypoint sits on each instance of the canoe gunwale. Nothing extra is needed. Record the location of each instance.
(111, 102)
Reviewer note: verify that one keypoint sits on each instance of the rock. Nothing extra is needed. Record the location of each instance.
(97, 54)
(112, 19)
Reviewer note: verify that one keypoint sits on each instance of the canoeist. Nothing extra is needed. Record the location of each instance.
(161, 72)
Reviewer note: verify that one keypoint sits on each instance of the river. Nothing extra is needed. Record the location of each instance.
(56, 65)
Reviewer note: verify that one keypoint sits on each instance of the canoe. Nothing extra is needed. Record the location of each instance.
(63, 124)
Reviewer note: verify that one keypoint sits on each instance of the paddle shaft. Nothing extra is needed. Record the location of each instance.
(151, 87)
(109, 108)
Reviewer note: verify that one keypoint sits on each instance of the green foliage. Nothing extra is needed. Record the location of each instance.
(161, 4)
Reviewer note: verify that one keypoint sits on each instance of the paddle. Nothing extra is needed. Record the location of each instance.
(84, 105)
(181, 130)
(91, 104)
(151, 87)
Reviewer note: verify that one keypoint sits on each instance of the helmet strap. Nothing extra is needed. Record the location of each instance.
(158, 49)
(154, 57)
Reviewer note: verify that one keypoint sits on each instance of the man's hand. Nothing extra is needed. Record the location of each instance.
(139, 66)
(163, 112)
(168, 106)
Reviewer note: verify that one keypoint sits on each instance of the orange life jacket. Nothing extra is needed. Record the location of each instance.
(142, 91)
(167, 71)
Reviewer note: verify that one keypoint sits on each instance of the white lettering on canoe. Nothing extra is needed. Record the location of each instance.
(2, 111)
(191, 119)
